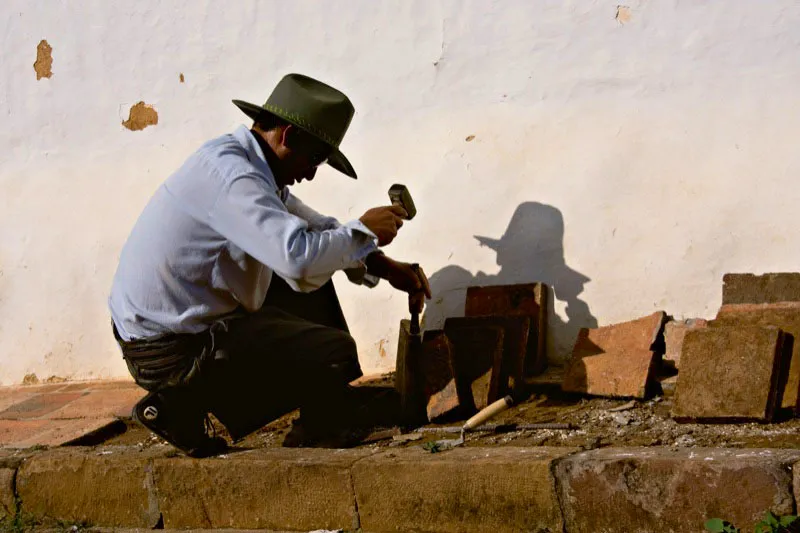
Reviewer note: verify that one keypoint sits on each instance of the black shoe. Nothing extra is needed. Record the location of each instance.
(180, 425)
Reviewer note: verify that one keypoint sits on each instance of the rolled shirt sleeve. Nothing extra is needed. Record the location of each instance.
(254, 218)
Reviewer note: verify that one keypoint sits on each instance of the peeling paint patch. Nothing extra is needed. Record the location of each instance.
(381, 348)
(623, 14)
(141, 115)
(30, 379)
(470, 138)
(181, 78)
(44, 60)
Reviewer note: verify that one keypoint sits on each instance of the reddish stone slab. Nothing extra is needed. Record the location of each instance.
(785, 316)
(39, 405)
(732, 373)
(477, 360)
(28, 433)
(102, 403)
(763, 289)
(424, 377)
(674, 333)
(437, 375)
(12, 431)
(528, 299)
(616, 360)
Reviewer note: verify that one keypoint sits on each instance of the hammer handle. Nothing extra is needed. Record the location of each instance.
(488, 412)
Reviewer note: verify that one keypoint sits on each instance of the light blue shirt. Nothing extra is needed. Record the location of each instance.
(211, 236)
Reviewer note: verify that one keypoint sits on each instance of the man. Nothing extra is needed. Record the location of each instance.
(223, 302)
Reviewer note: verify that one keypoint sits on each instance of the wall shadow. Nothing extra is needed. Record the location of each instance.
(530, 250)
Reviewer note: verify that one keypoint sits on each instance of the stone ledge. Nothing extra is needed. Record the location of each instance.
(477, 489)
(660, 489)
(295, 489)
(489, 490)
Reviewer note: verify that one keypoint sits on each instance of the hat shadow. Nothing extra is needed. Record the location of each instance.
(530, 250)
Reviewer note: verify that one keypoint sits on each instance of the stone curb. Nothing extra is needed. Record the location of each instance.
(480, 489)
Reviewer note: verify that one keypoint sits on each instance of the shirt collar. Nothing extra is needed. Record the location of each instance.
(255, 154)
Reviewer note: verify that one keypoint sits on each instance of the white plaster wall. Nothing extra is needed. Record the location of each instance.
(668, 145)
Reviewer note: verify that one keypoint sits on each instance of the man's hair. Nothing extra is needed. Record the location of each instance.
(268, 121)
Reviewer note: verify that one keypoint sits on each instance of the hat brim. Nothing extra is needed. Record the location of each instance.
(336, 159)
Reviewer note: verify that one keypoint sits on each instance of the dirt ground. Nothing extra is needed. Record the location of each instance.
(598, 422)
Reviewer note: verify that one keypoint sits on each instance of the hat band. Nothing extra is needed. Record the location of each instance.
(301, 122)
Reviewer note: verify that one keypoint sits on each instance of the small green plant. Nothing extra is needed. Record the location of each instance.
(770, 524)
(718, 525)
(778, 524)
(432, 447)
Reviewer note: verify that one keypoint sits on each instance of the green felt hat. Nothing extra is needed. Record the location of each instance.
(312, 106)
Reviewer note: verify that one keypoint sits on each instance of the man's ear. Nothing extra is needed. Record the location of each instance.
(287, 136)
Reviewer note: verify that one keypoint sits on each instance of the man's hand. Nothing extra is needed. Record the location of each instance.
(384, 222)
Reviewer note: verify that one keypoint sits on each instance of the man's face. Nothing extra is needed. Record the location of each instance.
(302, 155)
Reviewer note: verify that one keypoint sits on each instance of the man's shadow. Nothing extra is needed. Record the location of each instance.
(530, 250)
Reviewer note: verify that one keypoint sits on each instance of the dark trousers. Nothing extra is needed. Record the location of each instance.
(252, 368)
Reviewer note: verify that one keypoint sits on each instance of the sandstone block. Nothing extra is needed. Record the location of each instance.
(783, 316)
(8, 505)
(528, 299)
(78, 485)
(477, 360)
(764, 289)
(472, 358)
(642, 490)
(732, 374)
(274, 489)
(616, 360)
(492, 490)
(674, 333)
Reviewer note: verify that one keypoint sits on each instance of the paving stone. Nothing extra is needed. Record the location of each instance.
(102, 403)
(528, 299)
(39, 405)
(44, 432)
(616, 360)
(79, 485)
(783, 316)
(13, 395)
(763, 289)
(643, 490)
(477, 357)
(732, 373)
(674, 333)
(493, 490)
(292, 489)
(98, 385)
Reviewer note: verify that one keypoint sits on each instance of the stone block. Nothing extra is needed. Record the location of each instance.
(39, 405)
(424, 377)
(528, 299)
(78, 485)
(477, 360)
(616, 360)
(783, 316)
(274, 489)
(8, 503)
(732, 373)
(102, 403)
(674, 333)
(511, 361)
(491, 490)
(46, 432)
(763, 289)
(642, 490)
(437, 375)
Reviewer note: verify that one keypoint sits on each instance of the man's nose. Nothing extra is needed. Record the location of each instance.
(309, 175)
